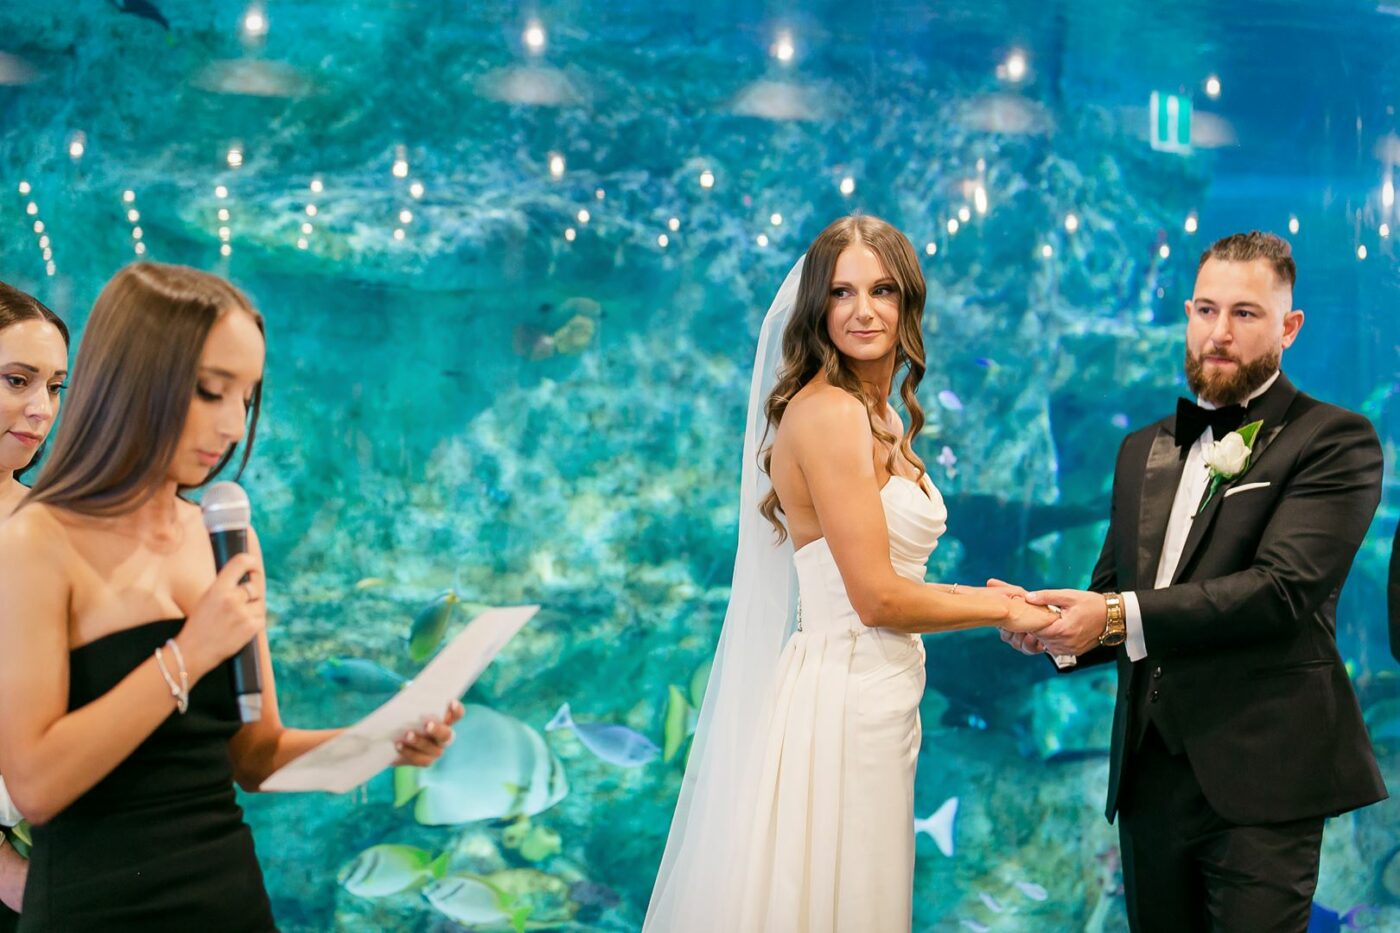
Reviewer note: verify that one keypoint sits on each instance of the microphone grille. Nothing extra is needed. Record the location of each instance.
(225, 507)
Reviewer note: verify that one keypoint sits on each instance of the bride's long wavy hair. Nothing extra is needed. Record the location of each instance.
(808, 349)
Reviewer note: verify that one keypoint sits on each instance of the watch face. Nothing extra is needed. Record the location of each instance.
(1113, 639)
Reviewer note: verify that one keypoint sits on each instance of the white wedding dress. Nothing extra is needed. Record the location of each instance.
(832, 844)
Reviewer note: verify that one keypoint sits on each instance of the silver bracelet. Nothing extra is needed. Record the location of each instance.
(184, 674)
(954, 590)
(182, 696)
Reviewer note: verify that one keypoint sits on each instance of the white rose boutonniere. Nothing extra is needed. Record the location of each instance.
(1228, 457)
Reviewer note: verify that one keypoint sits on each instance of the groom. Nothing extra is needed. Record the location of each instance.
(1233, 525)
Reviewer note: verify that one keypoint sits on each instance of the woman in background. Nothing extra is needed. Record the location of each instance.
(121, 738)
(33, 366)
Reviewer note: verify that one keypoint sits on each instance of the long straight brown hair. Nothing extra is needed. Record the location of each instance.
(133, 380)
(17, 307)
(808, 350)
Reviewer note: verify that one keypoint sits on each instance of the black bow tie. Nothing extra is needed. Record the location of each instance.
(1192, 421)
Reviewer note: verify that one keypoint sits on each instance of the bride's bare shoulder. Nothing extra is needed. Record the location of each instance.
(828, 413)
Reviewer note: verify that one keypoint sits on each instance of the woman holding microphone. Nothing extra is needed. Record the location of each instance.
(121, 738)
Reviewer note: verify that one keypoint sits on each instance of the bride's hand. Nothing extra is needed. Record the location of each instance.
(1005, 589)
(1028, 619)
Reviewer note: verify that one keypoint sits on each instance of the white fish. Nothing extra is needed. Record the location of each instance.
(388, 869)
(617, 745)
(530, 86)
(939, 825)
(1032, 890)
(469, 901)
(15, 70)
(949, 400)
(780, 100)
(990, 902)
(252, 78)
(497, 767)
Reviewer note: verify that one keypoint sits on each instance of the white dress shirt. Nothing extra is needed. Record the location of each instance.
(1194, 480)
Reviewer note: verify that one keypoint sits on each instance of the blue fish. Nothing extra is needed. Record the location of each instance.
(1326, 920)
(617, 745)
(360, 675)
(1120, 421)
(984, 362)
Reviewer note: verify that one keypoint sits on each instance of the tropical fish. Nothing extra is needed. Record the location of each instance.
(939, 825)
(946, 458)
(430, 625)
(984, 362)
(369, 583)
(468, 900)
(949, 400)
(1326, 920)
(990, 902)
(497, 768)
(388, 869)
(1120, 421)
(681, 719)
(359, 674)
(617, 745)
(1032, 890)
(698, 682)
(521, 898)
(144, 9)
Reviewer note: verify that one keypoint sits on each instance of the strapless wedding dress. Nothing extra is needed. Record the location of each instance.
(832, 843)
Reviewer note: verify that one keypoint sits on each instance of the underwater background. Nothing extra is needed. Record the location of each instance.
(513, 258)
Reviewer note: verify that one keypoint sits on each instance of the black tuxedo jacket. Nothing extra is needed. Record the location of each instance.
(1242, 645)
(1393, 596)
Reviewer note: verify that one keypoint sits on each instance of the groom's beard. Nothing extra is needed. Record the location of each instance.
(1223, 389)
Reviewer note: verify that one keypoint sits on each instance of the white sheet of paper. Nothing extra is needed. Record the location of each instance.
(366, 748)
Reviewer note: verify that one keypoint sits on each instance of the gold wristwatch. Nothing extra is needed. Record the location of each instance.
(1115, 630)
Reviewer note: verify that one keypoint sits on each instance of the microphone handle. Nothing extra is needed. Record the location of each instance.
(245, 667)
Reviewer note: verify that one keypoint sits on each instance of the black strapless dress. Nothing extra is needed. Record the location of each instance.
(160, 843)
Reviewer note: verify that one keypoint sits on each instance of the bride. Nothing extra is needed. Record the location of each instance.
(796, 812)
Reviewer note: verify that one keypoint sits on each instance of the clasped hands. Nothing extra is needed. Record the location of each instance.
(1079, 621)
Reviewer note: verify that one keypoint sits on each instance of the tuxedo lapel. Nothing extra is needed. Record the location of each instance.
(1270, 408)
(1165, 462)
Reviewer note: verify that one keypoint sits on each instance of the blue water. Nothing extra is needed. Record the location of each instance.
(523, 404)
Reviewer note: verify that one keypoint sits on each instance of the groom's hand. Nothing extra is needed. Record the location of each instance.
(1023, 642)
(1082, 620)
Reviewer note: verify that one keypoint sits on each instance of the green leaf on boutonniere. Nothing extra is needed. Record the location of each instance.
(1249, 432)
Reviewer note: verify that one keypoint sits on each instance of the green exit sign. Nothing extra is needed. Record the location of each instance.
(1169, 122)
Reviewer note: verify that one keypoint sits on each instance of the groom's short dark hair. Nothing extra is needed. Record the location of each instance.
(1247, 247)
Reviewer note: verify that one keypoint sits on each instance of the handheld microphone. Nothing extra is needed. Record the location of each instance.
(226, 517)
